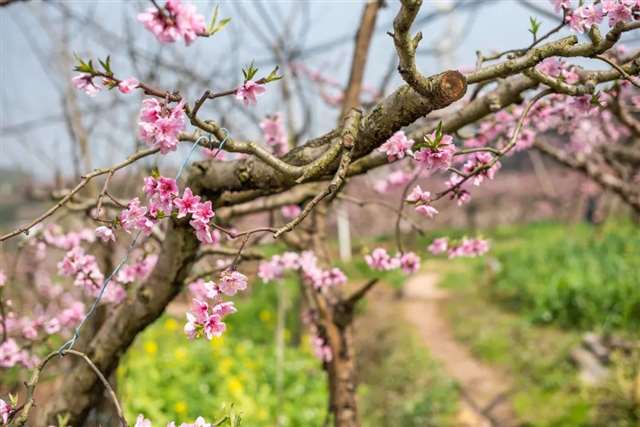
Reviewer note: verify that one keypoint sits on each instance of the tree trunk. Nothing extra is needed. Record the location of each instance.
(342, 376)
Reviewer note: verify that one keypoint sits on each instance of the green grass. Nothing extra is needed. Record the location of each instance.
(524, 307)
(576, 277)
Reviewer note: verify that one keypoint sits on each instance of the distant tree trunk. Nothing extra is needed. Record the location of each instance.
(342, 375)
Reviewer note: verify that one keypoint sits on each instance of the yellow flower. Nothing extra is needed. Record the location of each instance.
(180, 353)
(150, 347)
(235, 386)
(266, 316)
(180, 407)
(217, 342)
(171, 325)
(262, 414)
(225, 365)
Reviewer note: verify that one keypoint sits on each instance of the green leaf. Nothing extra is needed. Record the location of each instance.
(249, 72)
(273, 76)
(535, 26)
(106, 66)
(214, 25)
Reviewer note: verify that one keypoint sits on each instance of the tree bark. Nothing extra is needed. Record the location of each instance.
(342, 375)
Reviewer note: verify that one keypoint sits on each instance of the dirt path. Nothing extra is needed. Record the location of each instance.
(485, 401)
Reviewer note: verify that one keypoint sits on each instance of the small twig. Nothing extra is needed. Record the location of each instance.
(619, 69)
(360, 293)
(35, 378)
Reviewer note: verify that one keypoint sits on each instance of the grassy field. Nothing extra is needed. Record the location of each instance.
(525, 306)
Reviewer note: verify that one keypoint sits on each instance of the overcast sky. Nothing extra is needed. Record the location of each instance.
(33, 130)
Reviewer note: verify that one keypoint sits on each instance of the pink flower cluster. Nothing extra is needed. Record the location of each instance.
(422, 199)
(321, 349)
(379, 259)
(87, 275)
(589, 15)
(175, 20)
(84, 81)
(437, 156)
(457, 191)
(141, 421)
(249, 91)
(138, 271)
(274, 134)
(11, 355)
(465, 248)
(307, 263)
(397, 146)
(393, 180)
(162, 194)
(52, 235)
(5, 411)
(481, 160)
(207, 321)
(159, 124)
(105, 234)
(290, 211)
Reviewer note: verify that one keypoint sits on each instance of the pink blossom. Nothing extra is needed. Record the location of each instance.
(439, 245)
(550, 66)
(469, 248)
(427, 210)
(70, 316)
(85, 82)
(575, 21)
(248, 92)
(290, 211)
(591, 15)
(3, 278)
(457, 193)
(5, 411)
(11, 355)
(379, 259)
(105, 234)
(84, 268)
(417, 195)
(269, 271)
(204, 232)
(437, 157)
(332, 277)
(410, 262)
(176, 20)
(201, 322)
(159, 125)
(128, 85)
(481, 160)
(232, 281)
(321, 350)
(141, 421)
(274, 133)
(52, 326)
(397, 146)
(617, 11)
(135, 218)
(558, 5)
(203, 212)
(187, 204)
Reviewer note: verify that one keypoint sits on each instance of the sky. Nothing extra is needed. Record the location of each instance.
(34, 76)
